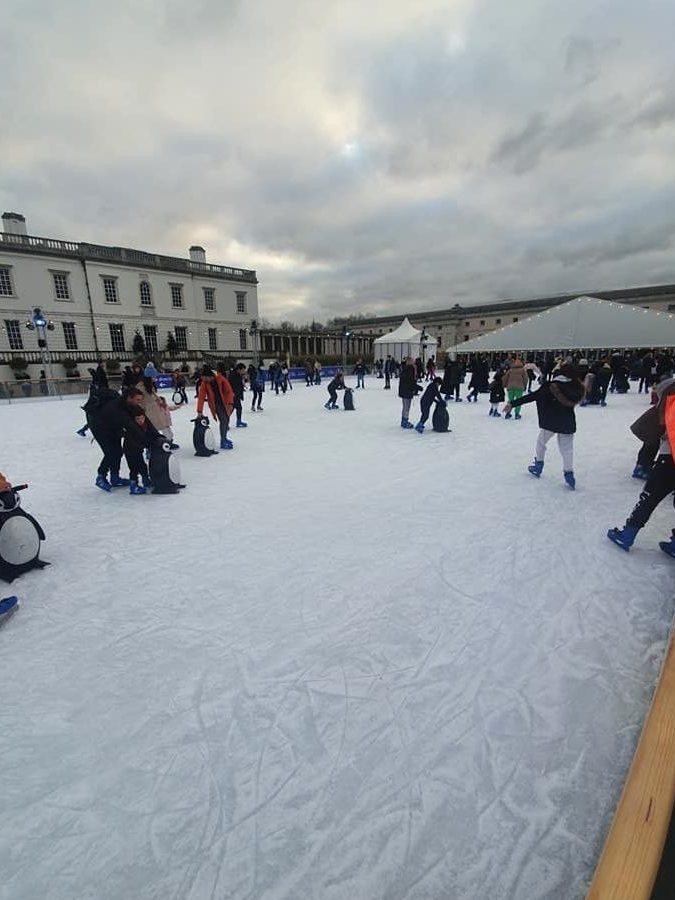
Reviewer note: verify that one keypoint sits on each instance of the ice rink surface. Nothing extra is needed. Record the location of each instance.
(348, 662)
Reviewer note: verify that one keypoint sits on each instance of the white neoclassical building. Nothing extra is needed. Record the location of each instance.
(98, 298)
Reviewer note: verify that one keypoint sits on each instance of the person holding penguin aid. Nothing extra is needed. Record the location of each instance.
(431, 395)
(337, 384)
(217, 392)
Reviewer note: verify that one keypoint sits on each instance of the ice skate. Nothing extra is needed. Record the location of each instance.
(536, 468)
(623, 537)
(570, 481)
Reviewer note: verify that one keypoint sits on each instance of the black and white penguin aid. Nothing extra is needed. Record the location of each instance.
(440, 421)
(20, 537)
(202, 437)
(164, 468)
(348, 400)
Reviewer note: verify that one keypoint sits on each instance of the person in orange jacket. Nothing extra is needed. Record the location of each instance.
(216, 390)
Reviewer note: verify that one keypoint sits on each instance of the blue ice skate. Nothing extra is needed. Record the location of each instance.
(406, 424)
(103, 483)
(242, 424)
(641, 472)
(570, 480)
(536, 468)
(623, 537)
(668, 547)
(136, 488)
(116, 481)
(8, 607)
(419, 428)
(226, 445)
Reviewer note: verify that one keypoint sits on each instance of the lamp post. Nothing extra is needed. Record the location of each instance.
(345, 338)
(253, 330)
(39, 323)
(423, 344)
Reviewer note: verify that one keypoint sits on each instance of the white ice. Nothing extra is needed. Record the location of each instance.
(348, 661)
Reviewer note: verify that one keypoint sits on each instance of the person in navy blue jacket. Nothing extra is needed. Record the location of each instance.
(431, 395)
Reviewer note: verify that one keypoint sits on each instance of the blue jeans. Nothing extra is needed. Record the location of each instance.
(359, 381)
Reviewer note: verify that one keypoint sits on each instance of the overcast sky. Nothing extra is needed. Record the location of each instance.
(373, 157)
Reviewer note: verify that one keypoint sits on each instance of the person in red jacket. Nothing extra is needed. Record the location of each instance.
(216, 390)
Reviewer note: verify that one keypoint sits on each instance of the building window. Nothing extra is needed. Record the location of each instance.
(61, 289)
(498, 321)
(467, 324)
(145, 293)
(150, 338)
(482, 321)
(5, 283)
(466, 337)
(70, 335)
(14, 334)
(241, 302)
(242, 338)
(177, 296)
(515, 318)
(213, 339)
(180, 333)
(117, 338)
(110, 290)
(209, 299)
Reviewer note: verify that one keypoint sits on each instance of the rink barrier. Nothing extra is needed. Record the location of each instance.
(630, 860)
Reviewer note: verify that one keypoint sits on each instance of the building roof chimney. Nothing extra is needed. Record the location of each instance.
(197, 253)
(14, 223)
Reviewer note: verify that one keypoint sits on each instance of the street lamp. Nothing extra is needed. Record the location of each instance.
(253, 331)
(38, 322)
(423, 344)
(345, 337)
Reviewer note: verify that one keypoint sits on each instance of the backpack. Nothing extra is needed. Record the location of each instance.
(98, 397)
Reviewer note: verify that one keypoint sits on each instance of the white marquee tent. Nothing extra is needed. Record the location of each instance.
(404, 341)
(584, 323)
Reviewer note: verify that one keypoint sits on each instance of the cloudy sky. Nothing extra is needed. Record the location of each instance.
(363, 157)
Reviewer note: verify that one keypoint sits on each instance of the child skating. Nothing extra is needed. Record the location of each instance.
(337, 384)
(555, 401)
(496, 394)
(431, 395)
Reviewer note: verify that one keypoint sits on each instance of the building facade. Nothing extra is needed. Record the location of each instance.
(463, 323)
(99, 297)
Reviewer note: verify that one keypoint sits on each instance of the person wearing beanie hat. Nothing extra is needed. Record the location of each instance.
(555, 401)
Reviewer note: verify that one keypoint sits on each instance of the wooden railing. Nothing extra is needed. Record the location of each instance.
(631, 857)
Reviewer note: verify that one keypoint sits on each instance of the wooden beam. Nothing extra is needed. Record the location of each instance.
(632, 853)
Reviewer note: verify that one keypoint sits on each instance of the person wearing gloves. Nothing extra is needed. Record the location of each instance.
(431, 395)
(555, 401)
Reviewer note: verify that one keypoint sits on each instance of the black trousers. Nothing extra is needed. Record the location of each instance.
(111, 445)
(237, 408)
(257, 395)
(425, 410)
(387, 380)
(137, 465)
(660, 483)
(647, 455)
(332, 396)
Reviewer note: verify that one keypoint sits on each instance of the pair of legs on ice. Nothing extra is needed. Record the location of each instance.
(566, 447)
(660, 483)
(332, 399)
(257, 398)
(515, 394)
(111, 445)
(453, 390)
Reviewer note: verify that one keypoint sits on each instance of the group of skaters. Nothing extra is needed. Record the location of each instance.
(133, 423)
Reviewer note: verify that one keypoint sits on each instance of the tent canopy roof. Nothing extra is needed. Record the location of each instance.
(404, 334)
(586, 322)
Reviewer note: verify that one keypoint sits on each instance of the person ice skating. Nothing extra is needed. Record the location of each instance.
(496, 394)
(452, 378)
(647, 428)
(388, 372)
(408, 388)
(150, 370)
(156, 408)
(217, 392)
(659, 484)
(431, 395)
(108, 423)
(179, 384)
(360, 372)
(555, 401)
(337, 384)
(236, 379)
(317, 372)
(136, 440)
(98, 392)
(309, 373)
(431, 369)
(257, 388)
(515, 381)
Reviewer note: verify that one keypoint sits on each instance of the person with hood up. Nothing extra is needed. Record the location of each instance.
(555, 401)
(216, 391)
(515, 382)
(659, 484)
(452, 378)
(496, 394)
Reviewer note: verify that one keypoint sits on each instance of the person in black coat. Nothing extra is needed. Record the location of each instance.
(430, 396)
(452, 379)
(135, 442)
(407, 389)
(389, 369)
(99, 376)
(236, 379)
(555, 401)
(337, 384)
(107, 424)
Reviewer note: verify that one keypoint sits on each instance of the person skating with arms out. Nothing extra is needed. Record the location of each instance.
(555, 401)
